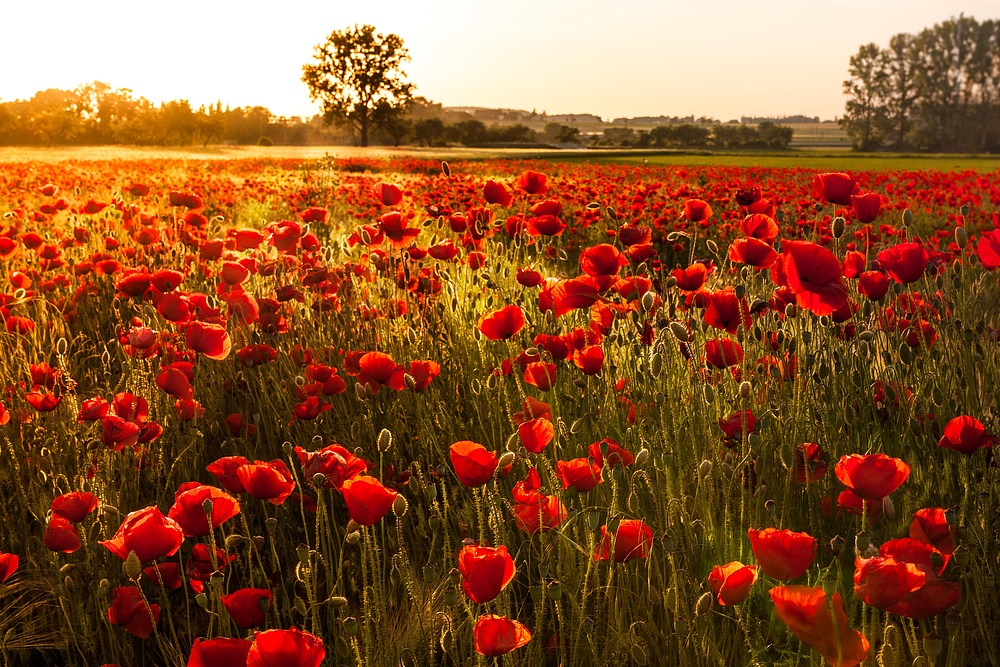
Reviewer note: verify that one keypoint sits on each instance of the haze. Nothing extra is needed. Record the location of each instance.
(718, 58)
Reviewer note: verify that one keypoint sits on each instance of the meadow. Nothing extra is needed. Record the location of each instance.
(379, 409)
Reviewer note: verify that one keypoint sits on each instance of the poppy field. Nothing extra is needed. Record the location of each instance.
(404, 412)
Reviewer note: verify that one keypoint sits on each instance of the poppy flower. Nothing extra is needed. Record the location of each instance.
(731, 582)
(226, 472)
(485, 571)
(533, 182)
(697, 210)
(502, 324)
(610, 453)
(529, 277)
(497, 193)
(753, 252)
(334, 461)
(760, 227)
(835, 188)
(935, 595)
(692, 278)
(61, 535)
(536, 434)
(734, 425)
(387, 193)
(748, 194)
(873, 284)
(148, 533)
(168, 574)
(726, 311)
(210, 339)
(814, 275)
(871, 476)
(810, 463)
(129, 610)
(807, 613)
(538, 517)
(219, 652)
(783, 554)
(602, 260)
(8, 565)
(882, 582)
(966, 434)
(583, 474)
(189, 513)
(367, 499)
(245, 608)
(866, 206)
(496, 635)
(632, 539)
(474, 464)
(540, 374)
(393, 225)
(545, 225)
(988, 250)
(75, 506)
(723, 352)
(930, 525)
(905, 262)
(286, 648)
(378, 369)
(267, 480)
(590, 359)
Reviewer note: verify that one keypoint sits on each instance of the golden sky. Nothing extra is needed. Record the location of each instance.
(719, 58)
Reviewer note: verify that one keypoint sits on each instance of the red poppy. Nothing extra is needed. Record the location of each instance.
(966, 434)
(582, 474)
(760, 226)
(189, 512)
(485, 571)
(806, 612)
(930, 525)
(540, 374)
(533, 182)
(545, 225)
(226, 472)
(393, 225)
(210, 339)
(813, 273)
(610, 453)
(474, 464)
(905, 262)
(497, 193)
(367, 499)
(536, 434)
(726, 311)
(378, 368)
(783, 554)
(246, 606)
(75, 506)
(128, 609)
(753, 252)
(286, 648)
(871, 476)
(935, 595)
(723, 352)
(835, 188)
(810, 463)
(267, 480)
(148, 533)
(988, 250)
(697, 210)
(61, 535)
(387, 193)
(692, 278)
(219, 652)
(632, 539)
(8, 565)
(496, 635)
(529, 277)
(602, 260)
(502, 324)
(882, 582)
(590, 359)
(873, 284)
(734, 425)
(334, 461)
(731, 582)
(866, 206)
(168, 574)
(538, 517)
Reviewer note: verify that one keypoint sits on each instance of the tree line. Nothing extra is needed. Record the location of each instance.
(938, 90)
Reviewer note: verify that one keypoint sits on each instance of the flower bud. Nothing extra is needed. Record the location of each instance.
(132, 566)
(505, 460)
(933, 645)
(399, 506)
(961, 238)
(679, 331)
(839, 227)
(384, 440)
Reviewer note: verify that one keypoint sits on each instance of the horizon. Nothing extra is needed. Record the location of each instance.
(570, 68)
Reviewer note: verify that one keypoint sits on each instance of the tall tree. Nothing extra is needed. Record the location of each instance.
(864, 116)
(357, 73)
(901, 89)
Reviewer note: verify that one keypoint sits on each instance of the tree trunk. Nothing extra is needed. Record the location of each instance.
(364, 132)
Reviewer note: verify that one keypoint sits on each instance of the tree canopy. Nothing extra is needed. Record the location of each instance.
(357, 79)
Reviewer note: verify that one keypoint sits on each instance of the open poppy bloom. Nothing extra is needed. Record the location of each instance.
(966, 434)
(334, 461)
(536, 434)
(474, 464)
(866, 206)
(905, 262)
(188, 509)
(61, 535)
(882, 582)
(148, 533)
(288, 648)
(935, 595)
(697, 210)
(502, 324)
(495, 635)
(246, 606)
(544, 513)
(632, 539)
(871, 476)
(219, 652)
(8, 565)
(367, 499)
(75, 506)
(835, 188)
(485, 571)
(533, 182)
(813, 274)
(783, 554)
(387, 193)
(267, 480)
(497, 193)
(128, 610)
(807, 613)
(583, 474)
(930, 525)
(723, 352)
(731, 582)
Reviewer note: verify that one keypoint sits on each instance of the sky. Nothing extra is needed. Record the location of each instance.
(717, 58)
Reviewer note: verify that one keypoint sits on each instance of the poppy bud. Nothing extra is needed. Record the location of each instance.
(961, 238)
(271, 524)
(964, 210)
(705, 468)
(933, 645)
(505, 460)
(353, 538)
(770, 506)
(648, 300)
(384, 440)
(703, 604)
(447, 640)
(642, 456)
(399, 506)
(132, 566)
(429, 573)
(790, 310)
(679, 331)
(907, 218)
(435, 523)
(202, 600)
(888, 508)
(839, 227)
(638, 654)
(300, 605)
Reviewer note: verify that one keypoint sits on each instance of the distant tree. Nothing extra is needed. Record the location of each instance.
(429, 131)
(393, 122)
(900, 89)
(469, 132)
(865, 114)
(775, 136)
(357, 71)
